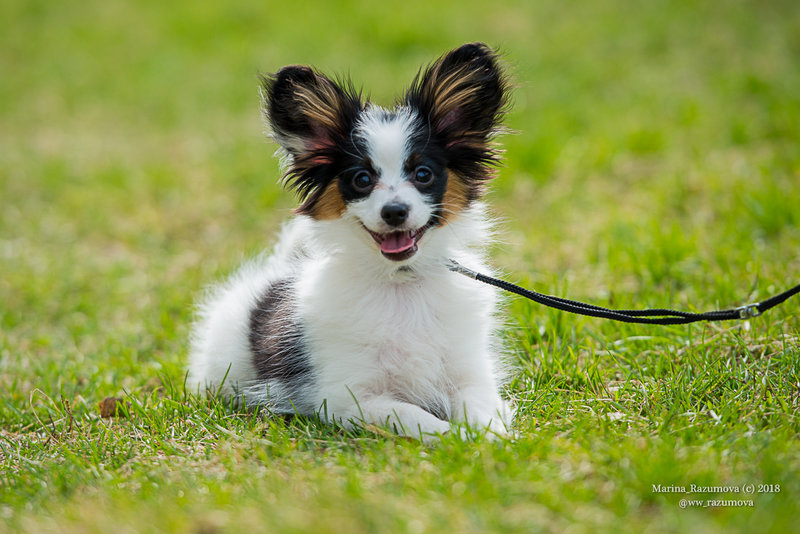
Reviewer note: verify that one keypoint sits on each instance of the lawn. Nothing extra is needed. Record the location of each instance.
(653, 162)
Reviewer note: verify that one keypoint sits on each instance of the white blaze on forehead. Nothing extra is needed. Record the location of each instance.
(387, 139)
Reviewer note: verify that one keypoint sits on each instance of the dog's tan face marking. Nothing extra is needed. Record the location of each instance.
(329, 205)
(456, 197)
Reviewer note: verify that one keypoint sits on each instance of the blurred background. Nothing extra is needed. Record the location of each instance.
(654, 155)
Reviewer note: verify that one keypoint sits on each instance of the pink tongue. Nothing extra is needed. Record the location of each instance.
(397, 242)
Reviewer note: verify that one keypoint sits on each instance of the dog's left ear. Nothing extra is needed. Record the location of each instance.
(463, 94)
(307, 112)
(311, 117)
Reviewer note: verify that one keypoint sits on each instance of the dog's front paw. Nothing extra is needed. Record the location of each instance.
(467, 432)
(492, 416)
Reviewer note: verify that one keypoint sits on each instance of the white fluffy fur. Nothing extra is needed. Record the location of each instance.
(385, 339)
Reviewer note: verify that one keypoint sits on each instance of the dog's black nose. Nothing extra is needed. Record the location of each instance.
(394, 214)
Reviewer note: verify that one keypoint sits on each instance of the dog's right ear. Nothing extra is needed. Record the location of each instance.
(308, 113)
(463, 95)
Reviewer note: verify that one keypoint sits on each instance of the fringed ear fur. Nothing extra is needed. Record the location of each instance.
(310, 117)
(463, 96)
(306, 110)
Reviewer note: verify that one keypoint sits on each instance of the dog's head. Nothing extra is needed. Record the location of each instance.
(395, 174)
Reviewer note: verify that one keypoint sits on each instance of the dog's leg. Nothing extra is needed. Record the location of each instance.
(402, 417)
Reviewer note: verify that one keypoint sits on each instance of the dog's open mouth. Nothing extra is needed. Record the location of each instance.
(398, 246)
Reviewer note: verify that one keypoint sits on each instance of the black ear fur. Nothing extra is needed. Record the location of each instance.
(463, 96)
(311, 117)
(306, 110)
(463, 93)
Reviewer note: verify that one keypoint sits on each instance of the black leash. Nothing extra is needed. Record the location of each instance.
(654, 316)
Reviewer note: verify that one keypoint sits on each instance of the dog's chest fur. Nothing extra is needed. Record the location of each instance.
(393, 336)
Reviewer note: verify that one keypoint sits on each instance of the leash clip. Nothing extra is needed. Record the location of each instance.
(456, 267)
(749, 311)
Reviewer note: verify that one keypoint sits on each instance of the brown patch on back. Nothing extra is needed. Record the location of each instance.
(329, 204)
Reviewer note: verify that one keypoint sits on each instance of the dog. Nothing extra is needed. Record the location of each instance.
(354, 316)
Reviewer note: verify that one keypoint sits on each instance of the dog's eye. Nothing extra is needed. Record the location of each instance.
(423, 175)
(362, 181)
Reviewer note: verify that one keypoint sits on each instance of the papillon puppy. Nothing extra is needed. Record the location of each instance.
(354, 316)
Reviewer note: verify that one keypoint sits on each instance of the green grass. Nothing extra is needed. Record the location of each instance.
(656, 164)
